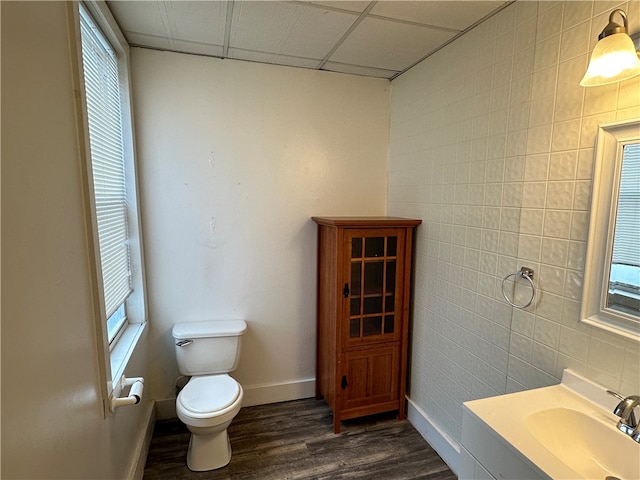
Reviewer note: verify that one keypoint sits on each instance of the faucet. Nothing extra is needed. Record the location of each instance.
(627, 423)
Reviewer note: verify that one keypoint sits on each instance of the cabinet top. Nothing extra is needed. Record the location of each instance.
(363, 222)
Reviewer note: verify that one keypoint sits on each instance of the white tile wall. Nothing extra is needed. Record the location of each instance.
(492, 146)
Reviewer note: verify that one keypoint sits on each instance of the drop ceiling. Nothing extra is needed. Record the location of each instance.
(377, 39)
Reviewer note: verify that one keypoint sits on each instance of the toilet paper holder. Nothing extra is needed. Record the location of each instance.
(135, 392)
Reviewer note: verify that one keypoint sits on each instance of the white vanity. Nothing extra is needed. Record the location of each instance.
(565, 431)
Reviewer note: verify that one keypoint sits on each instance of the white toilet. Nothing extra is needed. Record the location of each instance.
(207, 404)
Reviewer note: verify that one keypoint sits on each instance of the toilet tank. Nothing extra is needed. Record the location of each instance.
(208, 347)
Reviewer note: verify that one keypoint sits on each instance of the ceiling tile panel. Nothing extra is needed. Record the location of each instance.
(139, 17)
(200, 22)
(388, 45)
(456, 15)
(287, 29)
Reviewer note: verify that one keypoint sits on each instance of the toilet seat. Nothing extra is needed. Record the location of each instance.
(208, 395)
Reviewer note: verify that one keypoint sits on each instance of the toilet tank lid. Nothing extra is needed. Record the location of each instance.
(207, 328)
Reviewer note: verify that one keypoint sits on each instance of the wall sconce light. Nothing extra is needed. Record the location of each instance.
(614, 57)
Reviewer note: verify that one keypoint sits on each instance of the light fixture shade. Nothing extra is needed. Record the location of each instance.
(614, 58)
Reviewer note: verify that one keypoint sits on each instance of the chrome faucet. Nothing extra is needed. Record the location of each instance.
(625, 410)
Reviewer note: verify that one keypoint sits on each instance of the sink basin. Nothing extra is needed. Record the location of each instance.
(588, 446)
(565, 431)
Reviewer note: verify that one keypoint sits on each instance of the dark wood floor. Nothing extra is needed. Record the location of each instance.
(295, 440)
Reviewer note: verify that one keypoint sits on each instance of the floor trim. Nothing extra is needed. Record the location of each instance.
(280, 392)
(253, 395)
(447, 448)
(143, 445)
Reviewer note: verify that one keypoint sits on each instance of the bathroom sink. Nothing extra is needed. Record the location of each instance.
(588, 446)
(565, 431)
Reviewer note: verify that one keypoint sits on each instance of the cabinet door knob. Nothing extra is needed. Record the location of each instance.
(345, 290)
(344, 383)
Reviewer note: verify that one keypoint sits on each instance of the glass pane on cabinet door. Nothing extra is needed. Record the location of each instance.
(356, 247)
(355, 306)
(372, 305)
(392, 246)
(356, 269)
(374, 247)
(373, 278)
(391, 276)
(389, 302)
(389, 324)
(371, 326)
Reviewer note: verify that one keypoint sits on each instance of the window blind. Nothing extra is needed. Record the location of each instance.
(105, 138)
(626, 244)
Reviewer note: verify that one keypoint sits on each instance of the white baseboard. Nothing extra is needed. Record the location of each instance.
(143, 444)
(447, 448)
(280, 392)
(253, 395)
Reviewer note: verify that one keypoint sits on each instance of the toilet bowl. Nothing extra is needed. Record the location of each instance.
(207, 405)
(206, 351)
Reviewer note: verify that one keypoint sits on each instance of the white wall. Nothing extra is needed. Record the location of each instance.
(52, 416)
(234, 160)
(491, 145)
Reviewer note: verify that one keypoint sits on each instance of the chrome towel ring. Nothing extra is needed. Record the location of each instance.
(524, 272)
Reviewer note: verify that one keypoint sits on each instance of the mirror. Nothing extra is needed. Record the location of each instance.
(624, 275)
(611, 293)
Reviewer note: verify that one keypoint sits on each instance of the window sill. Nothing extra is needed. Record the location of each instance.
(122, 352)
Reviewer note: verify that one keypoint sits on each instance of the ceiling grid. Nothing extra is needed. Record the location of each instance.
(371, 38)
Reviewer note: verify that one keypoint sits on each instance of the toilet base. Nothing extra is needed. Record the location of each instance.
(208, 452)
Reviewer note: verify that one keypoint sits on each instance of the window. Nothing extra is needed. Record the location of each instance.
(611, 290)
(112, 186)
(102, 90)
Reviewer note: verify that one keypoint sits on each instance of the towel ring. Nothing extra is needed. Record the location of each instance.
(524, 272)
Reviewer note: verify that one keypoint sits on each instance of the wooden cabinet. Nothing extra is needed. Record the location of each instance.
(364, 274)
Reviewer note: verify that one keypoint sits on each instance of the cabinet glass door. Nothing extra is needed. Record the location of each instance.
(373, 294)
